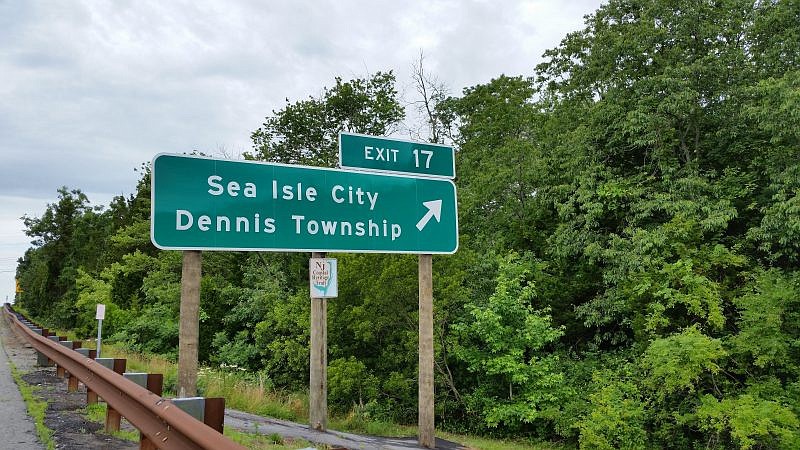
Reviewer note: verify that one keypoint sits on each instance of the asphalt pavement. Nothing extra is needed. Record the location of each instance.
(17, 430)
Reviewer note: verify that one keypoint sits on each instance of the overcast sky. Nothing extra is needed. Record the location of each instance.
(89, 90)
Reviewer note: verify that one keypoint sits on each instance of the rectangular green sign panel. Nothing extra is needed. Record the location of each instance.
(213, 204)
(358, 151)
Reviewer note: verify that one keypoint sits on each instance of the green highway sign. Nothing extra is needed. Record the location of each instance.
(215, 204)
(358, 151)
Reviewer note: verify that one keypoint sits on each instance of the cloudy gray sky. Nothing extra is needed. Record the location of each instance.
(91, 89)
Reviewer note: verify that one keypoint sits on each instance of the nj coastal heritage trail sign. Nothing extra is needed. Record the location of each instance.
(213, 204)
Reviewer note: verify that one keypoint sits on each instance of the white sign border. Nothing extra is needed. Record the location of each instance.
(398, 172)
(292, 250)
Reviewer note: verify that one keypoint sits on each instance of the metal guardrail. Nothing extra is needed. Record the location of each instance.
(164, 424)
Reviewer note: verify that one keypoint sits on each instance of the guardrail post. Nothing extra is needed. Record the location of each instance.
(72, 385)
(153, 382)
(41, 359)
(112, 416)
(60, 370)
(87, 352)
(113, 419)
(54, 339)
(91, 396)
(211, 411)
(215, 413)
(72, 381)
(47, 361)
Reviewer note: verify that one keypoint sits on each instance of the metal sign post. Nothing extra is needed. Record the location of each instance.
(100, 315)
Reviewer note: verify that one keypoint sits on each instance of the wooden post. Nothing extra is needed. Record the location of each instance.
(318, 379)
(112, 415)
(214, 413)
(155, 384)
(189, 323)
(427, 436)
(72, 383)
(112, 419)
(60, 372)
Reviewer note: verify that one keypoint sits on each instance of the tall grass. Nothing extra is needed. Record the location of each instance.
(241, 390)
(252, 393)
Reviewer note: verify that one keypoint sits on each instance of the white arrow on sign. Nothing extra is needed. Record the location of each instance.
(434, 210)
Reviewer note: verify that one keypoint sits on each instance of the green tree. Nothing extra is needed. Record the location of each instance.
(504, 343)
(48, 292)
(307, 132)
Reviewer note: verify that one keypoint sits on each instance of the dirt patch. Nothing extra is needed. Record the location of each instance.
(65, 417)
(71, 430)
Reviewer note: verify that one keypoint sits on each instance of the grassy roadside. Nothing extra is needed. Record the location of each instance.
(254, 394)
(36, 408)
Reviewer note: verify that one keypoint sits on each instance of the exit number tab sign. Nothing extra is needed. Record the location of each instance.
(358, 151)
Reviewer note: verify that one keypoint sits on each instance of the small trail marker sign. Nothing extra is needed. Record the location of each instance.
(323, 277)
(101, 312)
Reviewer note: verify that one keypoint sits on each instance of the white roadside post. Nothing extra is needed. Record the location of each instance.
(100, 315)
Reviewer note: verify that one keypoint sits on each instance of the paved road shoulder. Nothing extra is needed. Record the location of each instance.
(17, 430)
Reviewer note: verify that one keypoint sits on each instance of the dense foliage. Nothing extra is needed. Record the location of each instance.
(629, 270)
